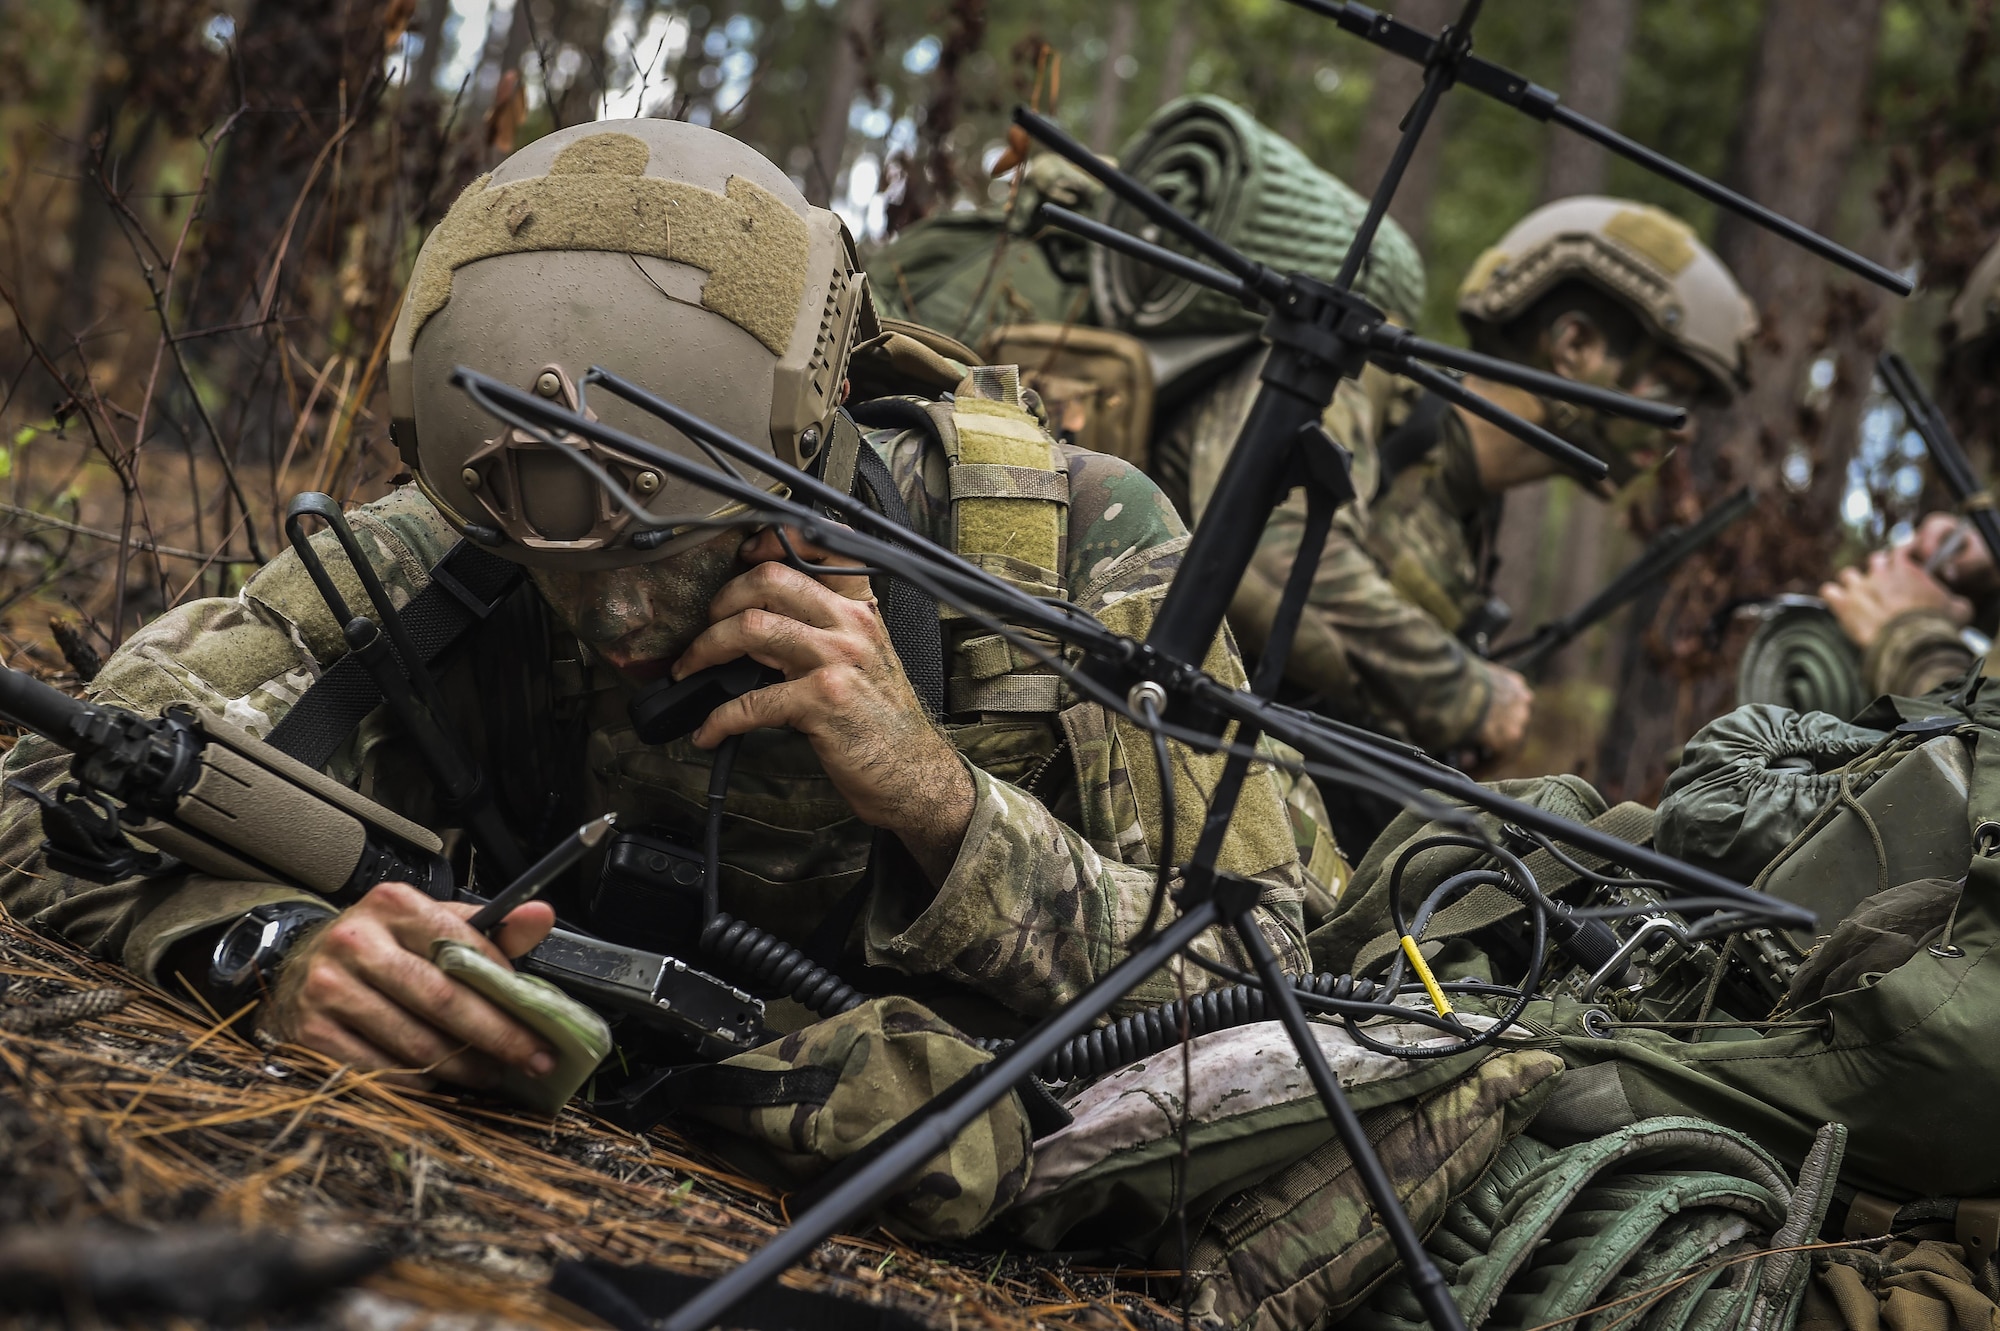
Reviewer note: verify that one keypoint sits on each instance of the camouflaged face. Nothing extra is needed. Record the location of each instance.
(1034, 910)
(892, 1056)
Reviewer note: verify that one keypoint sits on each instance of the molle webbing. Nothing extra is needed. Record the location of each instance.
(1009, 491)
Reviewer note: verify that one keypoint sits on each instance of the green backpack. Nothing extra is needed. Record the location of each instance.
(1883, 1022)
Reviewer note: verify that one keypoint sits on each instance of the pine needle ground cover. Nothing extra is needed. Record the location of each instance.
(151, 1157)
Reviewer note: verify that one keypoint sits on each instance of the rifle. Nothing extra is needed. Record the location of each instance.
(1662, 556)
(215, 798)
(1954, 468)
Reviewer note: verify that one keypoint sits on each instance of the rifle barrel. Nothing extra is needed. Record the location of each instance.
(1667, 551)
(1954, 468)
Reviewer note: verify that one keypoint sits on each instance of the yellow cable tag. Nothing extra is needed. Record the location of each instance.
(1423, 970)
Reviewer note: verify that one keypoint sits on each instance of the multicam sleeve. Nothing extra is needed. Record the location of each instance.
(1366, 647)
(1916, 652)
(1035, 909)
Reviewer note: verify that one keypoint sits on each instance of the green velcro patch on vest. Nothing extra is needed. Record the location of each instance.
(596, 196)
(998, 511)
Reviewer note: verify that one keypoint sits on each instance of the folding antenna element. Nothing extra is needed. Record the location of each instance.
(1531, 99)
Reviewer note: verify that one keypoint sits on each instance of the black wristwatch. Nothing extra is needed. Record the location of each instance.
(247, 955)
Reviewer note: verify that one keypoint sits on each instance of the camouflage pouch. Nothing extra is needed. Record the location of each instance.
(1304, 1246)
(1109, 1179)
(888, 1057)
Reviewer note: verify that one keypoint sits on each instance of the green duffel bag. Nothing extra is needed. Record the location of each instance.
(968, 273)
(1888, 1024)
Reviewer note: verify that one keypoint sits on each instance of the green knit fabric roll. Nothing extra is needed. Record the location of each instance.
(1215, 163)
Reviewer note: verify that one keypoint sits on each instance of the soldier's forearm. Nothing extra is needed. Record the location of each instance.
(1031, 914)
(1915, 653)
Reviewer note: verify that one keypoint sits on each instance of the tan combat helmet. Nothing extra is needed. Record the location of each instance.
(667, 253)
(1647, 259)
(1975, 315)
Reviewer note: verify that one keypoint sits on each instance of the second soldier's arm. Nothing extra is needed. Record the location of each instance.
(1365, 644)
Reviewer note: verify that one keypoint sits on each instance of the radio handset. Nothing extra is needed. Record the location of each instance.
(673, 709)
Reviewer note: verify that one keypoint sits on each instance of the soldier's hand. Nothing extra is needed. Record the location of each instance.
(1970, 569)
(844, 690)
(362, 989)
(1895, 582)
(1507, 712)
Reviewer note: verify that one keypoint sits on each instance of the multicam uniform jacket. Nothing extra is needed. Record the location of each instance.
(1052, 878)
(1377, 644)
(1916, 652)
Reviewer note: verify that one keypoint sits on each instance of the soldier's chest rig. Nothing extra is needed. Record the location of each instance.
(793, 864)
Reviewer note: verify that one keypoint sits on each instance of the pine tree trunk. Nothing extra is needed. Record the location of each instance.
(1180, 50)
(1600, 36)
(1537, 588)
(1800, 127)
(299, 63)
(846, 65)
(1118, 43)
(1397, 82)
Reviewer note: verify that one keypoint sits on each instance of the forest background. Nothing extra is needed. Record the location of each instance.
(208, 211)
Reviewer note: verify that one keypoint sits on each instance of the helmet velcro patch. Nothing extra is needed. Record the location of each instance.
(753, 247)
(1655, 236)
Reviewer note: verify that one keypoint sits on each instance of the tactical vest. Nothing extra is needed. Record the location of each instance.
(1009, 489)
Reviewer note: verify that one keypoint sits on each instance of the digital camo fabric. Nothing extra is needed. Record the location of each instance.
(1304, 1246)
(1035, 909)
(1112, 1178)
(1376, 645)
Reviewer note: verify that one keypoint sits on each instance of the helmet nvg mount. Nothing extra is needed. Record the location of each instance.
(1646, 259)
(665, 252)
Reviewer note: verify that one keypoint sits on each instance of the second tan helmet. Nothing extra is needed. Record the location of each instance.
(1650, 261)
(667, 253)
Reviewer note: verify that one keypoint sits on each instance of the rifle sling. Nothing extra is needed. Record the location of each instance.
(465, 586)
(1412, 441)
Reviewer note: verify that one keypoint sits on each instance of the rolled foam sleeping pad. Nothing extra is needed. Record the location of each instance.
(1217, 164)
